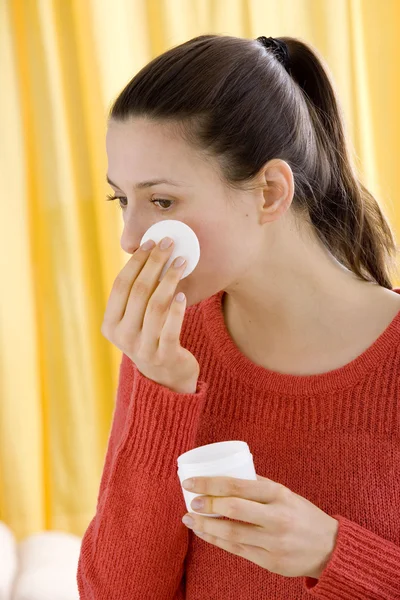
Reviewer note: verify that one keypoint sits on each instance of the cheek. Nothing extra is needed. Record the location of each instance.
(223, 245)
(220, 256)
(214, 246)
(220, 266)
(224, 252)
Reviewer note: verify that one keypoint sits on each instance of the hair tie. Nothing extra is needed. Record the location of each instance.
(280, 49)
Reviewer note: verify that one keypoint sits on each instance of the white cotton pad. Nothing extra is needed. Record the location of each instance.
(186, 243)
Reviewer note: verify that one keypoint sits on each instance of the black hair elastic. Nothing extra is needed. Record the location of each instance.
(280, 49)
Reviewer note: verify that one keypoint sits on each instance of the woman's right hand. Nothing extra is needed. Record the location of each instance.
(144, 320)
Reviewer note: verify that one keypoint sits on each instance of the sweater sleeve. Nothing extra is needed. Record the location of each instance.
(136, 544)
(362, 565)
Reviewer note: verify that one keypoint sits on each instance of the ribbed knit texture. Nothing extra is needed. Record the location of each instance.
(333, 438)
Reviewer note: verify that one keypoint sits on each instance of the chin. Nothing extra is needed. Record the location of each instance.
(194, 292)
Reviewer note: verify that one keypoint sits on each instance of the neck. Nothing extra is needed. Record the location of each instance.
(304, 293)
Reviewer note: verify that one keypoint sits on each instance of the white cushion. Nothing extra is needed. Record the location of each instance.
(48, 563)
(8, 561)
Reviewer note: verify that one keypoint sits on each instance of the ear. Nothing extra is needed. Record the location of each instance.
(278, 184)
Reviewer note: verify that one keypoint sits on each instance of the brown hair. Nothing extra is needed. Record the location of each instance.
(232, 100)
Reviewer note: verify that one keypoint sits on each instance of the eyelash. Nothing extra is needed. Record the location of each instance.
(111, 198)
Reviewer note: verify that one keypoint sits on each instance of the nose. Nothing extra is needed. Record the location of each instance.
(128, 245)
(132, 235)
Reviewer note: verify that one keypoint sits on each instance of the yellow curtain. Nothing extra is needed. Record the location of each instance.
(62, 62)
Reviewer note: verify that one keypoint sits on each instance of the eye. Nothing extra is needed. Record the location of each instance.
(123, 206)
(111, 198)
(161, 200)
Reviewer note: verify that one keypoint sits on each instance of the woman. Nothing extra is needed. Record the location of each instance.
(291, 319)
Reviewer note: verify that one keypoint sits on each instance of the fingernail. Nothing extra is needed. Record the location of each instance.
(188, 521)
(179, 262)
(165, 243)
(197, 503)
(147, 245)
(188, 484)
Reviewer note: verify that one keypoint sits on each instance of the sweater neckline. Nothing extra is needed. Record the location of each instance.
(241, 367)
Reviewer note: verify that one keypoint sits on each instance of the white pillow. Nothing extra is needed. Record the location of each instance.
(8, 561)
(48, 563)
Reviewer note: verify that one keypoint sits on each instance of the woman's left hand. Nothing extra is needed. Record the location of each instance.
(283, 532)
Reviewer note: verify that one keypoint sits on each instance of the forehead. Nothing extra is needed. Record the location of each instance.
(136, 141)
(144, 148)
(141, 132)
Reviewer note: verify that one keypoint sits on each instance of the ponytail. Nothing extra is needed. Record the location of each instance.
(348, 218)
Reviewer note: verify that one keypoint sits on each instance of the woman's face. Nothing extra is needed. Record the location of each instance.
(225, 222)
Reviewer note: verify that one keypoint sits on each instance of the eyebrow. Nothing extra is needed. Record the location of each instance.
(146, 184)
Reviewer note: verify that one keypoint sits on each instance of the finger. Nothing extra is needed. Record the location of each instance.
(159, 307)
(142, 289)
(171, 332)
(122, 285)
(255, 554)
(270, 517)
(235, 535)
(264, 490)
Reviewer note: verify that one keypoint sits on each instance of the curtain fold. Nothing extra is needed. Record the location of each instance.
(61, 66)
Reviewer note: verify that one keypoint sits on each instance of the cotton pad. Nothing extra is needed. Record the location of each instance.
(186, 243)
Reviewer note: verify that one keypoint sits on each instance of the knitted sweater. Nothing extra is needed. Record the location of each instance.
(333, 438)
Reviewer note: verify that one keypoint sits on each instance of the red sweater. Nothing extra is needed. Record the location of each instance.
(333, 438)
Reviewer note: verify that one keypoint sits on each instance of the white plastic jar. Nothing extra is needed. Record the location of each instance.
(229, 459)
